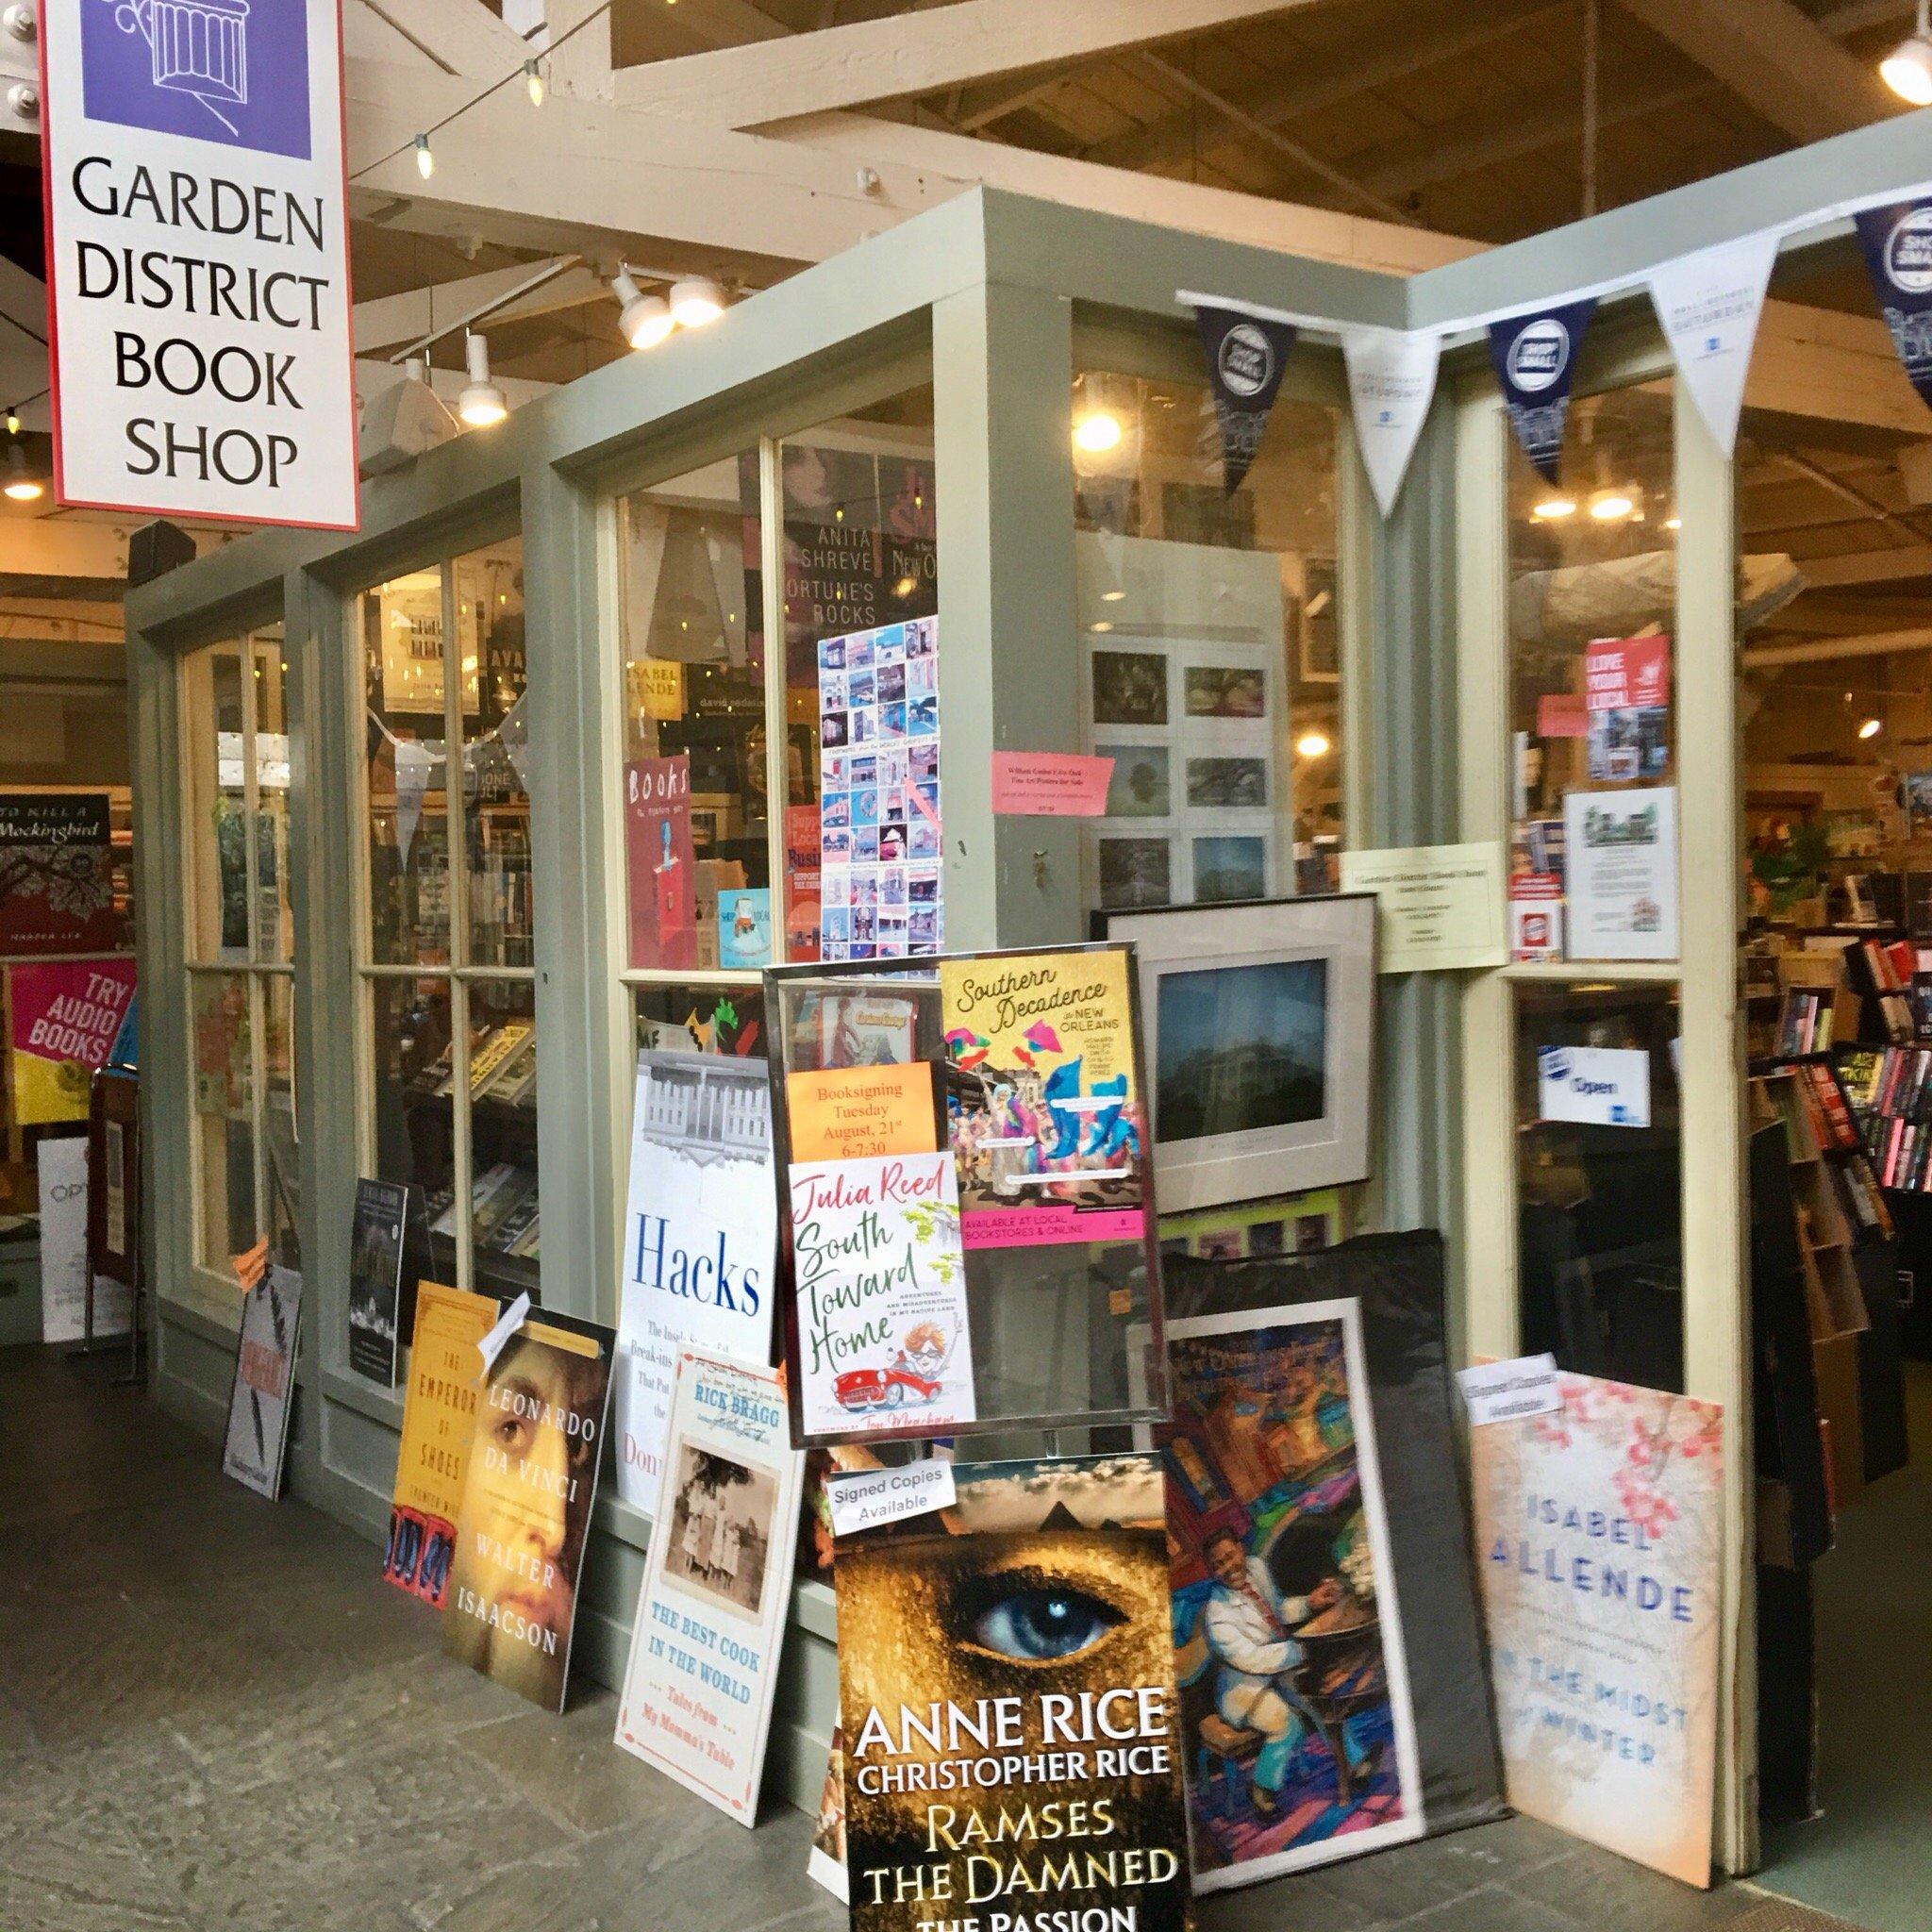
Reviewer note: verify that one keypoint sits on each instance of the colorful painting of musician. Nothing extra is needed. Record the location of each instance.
(1289, 1645)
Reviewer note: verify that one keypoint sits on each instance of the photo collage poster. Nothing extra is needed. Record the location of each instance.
(438, 1427)
(376, 1278)
(1294, 1684)
(697, 1691)
(879, 846)
(1012, 1727)
(700, 1239)
(259, 1401)
(1192, 815)
(512, 1601)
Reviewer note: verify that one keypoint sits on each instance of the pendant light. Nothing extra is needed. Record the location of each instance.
(643, 321)
(21, 485)
(482, 402)
(1907, 69)
(533, 82)
(696, 300)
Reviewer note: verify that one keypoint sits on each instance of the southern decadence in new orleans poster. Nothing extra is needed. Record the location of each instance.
(1008, 1689)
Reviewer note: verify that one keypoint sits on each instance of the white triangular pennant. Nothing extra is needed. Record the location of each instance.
(413, 762)
(513, 734)
(1391, 377)
(1708, 304)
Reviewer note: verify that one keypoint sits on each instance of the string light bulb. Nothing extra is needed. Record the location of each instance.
(482, 403)
(13, 421)
(696, 300)
(533, 80)
(426, 161)
(643, 321)
(1097, 431)
(1871, 728)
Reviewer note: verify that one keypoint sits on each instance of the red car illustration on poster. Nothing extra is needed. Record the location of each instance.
(862, 1389)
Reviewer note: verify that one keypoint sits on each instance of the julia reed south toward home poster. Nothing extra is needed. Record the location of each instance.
(1292, 1654)
(1043, 1097)
(711, 1621)
(1013, 1751)
(512, 1600)
(439, 1424)
(1598, 1530)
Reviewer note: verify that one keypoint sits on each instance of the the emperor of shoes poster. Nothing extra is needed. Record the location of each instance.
(1007, 1681)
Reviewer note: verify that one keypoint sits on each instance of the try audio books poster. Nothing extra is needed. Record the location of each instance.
(259, 1403)
(439, 1424)
(1597, 1532)
(1012, 1733)
(1293, 1674)
(700, 1237)
(710, 1622)
(1045, 1107)
(525, 1514)
(376, 1278)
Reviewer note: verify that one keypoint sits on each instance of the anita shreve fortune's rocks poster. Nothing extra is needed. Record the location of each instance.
(1007, 1690)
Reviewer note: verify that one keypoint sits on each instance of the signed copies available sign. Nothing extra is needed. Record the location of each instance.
(198, 259)
(1012, 1734)
(1597, 1528)
(711, 1621)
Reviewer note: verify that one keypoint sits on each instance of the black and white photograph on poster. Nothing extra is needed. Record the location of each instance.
(1139, 786)
(258, 1404)
(1240, 784)
(1136, 872)
(376, 1278)
(720, 1526)
(1227, 690)
(1129, 686)
(1230, 868)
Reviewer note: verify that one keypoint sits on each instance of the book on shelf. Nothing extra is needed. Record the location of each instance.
(1805, 1023)
(507, 1070)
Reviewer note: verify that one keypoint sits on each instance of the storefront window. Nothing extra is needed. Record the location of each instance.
(1591, 612)
(1211, 646)
(1598, 1150)
(450, 1027)
(240, 1017)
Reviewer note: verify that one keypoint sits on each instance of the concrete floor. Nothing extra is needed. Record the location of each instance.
(214, 1714)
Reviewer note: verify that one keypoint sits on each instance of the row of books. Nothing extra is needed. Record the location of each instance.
(503, 1067)
(1827, 1115)
(1805, 1020)
(1903, 1154)
(1887, 969)
(1893, 1082)
(503, 1211)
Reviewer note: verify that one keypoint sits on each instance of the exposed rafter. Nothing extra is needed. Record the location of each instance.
(906, 55)
(1783, 63)
(458, 36)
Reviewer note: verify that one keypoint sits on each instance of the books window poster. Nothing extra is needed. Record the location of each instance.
(965, 1180)
(1007, 1683)
(1292, 1656)
(57, 874)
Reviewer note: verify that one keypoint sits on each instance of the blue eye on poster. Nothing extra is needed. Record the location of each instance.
(1534, 358)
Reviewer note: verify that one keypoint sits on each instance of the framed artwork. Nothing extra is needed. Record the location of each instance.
(1259, 1021)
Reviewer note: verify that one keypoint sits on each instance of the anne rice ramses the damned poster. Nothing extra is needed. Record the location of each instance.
(1007, 1683)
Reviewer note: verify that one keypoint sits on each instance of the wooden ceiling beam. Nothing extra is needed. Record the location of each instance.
(1778, 59)
(458, 36)
(920, 53)
(1323, 80)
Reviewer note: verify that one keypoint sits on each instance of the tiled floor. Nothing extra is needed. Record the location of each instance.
(213, 1714)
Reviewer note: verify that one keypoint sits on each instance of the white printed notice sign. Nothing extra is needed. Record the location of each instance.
(198, 258)
(881, 1284)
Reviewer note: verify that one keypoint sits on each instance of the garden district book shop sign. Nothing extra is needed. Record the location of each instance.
(198, 258)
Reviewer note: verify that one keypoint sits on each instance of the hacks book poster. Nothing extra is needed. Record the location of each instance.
(525, 1514)
(1294, 1684)
(1013, 1744)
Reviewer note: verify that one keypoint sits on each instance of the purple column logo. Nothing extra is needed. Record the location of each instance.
(235, 72)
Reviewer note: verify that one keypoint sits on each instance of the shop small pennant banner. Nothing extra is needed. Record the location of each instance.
(1708, 304)
(1245, 358)
(1898, 255)
(1536, 361)
(1391, 379)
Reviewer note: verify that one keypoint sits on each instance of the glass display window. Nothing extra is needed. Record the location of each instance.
(241, 952)
(449, 1033)
(1210, 645)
